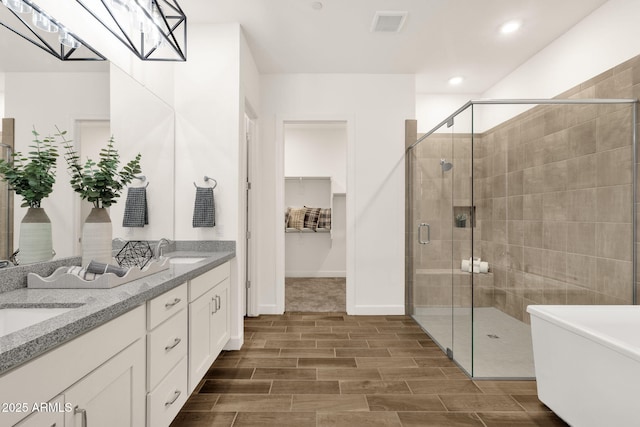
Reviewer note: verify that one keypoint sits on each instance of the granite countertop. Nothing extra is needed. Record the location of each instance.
(93, 307)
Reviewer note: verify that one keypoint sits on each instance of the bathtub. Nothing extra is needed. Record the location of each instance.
(587, 362)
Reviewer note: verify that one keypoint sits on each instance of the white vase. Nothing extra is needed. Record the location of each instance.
(96, 237)
(36, 243)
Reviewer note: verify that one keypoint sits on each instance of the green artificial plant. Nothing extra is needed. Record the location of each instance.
(32, 176)
(99, 182)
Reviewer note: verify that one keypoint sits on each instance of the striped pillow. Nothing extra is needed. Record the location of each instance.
(311, 218)
(296, 218)
(324, 219)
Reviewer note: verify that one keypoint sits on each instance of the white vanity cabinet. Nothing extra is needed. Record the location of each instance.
(208, 320)
(100, 375)
(166, 356)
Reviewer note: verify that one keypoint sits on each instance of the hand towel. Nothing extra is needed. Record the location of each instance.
(135, 209)
(204, 214)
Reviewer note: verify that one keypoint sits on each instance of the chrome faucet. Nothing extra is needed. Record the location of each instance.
(161, 243)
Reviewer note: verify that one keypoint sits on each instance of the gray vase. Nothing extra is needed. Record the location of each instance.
(36, 242)
(96, 237)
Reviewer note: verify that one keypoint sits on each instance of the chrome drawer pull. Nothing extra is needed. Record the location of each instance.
(218, 303)
(176, 395)
(77, 410)
(215, 306)
(172, 346)
(171, 304)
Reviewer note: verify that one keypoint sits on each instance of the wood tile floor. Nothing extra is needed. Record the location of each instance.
(331, 369)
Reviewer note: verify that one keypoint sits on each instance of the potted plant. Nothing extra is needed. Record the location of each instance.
(461, 220)
(100, 183)
(32, 177)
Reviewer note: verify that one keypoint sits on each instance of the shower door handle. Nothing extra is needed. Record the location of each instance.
(420, 227)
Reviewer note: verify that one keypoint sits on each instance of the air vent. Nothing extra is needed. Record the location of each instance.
(388, 21)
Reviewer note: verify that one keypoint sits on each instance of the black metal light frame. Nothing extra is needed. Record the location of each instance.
(62, 52)
(173, 30)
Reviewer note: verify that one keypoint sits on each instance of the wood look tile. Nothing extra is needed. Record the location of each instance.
(385, 362)
(290, 344)
(305, 387)
(201, 419)
(307, 352)
(229, 373)
(373, 387)
(393, 402)
(268, 362)
(318, 362)
(284, 374)
(440, 419)
(362, 352)
(411, 373)
(235, 386)
(329, 402)
(333, 369)
(443, 387)
(480, 402)
(275, 419)
(349, 374)
(525, 419)
(351, 419)
(253, 403)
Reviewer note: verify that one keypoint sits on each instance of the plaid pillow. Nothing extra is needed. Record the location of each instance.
(296, 218)
(324, 219)
(311, 218)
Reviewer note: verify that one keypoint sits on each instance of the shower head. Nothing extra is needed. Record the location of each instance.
(445, 165)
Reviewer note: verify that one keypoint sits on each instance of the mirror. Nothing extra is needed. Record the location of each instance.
(81, 97)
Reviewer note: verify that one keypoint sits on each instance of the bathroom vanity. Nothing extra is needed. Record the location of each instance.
(127, 356)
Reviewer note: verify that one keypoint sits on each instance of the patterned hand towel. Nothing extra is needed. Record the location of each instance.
(135, 209)
(204, 214)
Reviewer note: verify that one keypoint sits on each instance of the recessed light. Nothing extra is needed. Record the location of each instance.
(510, 26)
(317, 5)
(454, 81)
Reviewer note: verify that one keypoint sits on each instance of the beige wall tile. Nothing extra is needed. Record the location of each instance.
(582, 139)
(514, 207)
(532, 207)
(582, 205)
(555, 176)
(515, 158)
(533, 234)
(581, 271)
(499, 208)
(499, 185)
(557, 265)
(515, 231)
(580, 172)
(614, 130)
(535, 261)
(614, 278)
(554, 118)
(554, 206)
(534, 153)
(614, 204)
(613, 241)
(515, 183)
(533, 180)
(614, 167)
(554, 235)
(556, 146)
(581, 238)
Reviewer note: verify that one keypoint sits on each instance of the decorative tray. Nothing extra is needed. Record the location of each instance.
(61, 279)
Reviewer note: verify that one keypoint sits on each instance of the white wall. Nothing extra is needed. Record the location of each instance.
(375, 107)
(45, 100)
(317, 150)
(432, 109)
(143, 123)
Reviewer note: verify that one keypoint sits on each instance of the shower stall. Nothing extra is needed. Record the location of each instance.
(518, 202)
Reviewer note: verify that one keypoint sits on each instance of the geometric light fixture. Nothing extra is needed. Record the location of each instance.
(28, 21)
(153, 30)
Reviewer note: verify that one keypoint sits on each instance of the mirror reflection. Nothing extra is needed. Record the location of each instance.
(91, 101)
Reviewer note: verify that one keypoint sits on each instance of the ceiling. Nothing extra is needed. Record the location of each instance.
(440, 39)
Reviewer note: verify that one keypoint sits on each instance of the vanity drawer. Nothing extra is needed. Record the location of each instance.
(164, 403)
(166, 305)
(201, 284)
(166, 345)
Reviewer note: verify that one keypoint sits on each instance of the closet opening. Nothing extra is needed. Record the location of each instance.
(315, 191)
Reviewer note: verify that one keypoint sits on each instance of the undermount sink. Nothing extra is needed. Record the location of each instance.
(185, 260)
(15, 318)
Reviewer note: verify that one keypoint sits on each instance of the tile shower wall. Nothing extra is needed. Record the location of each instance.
(552, 190)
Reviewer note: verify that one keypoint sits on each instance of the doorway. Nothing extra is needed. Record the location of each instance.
(315, 177)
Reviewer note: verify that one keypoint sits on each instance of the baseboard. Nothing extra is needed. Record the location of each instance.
(311, 273)
(269, 309)
(234, 344)
(378, 310)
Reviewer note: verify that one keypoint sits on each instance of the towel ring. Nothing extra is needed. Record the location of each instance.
(207, 179)
(143, 179)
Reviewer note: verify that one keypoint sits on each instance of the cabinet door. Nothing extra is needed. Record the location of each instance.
(52, 416)
(220, 319)
(200, 358)
(113, 394)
